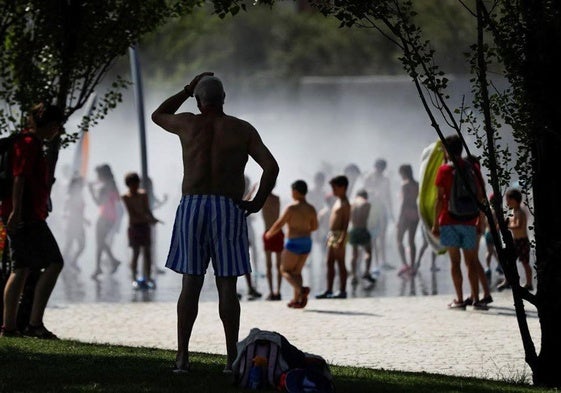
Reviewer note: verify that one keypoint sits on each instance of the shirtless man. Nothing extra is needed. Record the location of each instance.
(359, 236)
(274, 244)
(301, 219)
(336, 239)
(211, 217)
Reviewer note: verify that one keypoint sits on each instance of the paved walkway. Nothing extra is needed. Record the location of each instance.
(399, 333)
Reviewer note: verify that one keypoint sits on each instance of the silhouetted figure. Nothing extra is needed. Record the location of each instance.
(106, 196)
(211, 217)
(32, 245)
(75, 222)
(377, 185)
(139, 231)
(408, 219)
(273, 245)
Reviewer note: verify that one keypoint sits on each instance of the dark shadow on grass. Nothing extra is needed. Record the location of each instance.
(35, 366)
(358, 380)
(113, 369)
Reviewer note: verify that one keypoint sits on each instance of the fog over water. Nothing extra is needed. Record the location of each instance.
(325, 125)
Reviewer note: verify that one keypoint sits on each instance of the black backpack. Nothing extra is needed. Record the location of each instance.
(6, 178)
(462, 205)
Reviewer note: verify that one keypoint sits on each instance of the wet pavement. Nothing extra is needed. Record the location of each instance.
(78, 287)
(401, 323)
(396, 333)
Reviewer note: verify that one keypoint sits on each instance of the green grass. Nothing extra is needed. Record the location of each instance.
(30, 365)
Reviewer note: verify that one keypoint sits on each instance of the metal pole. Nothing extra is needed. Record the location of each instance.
(139, 101)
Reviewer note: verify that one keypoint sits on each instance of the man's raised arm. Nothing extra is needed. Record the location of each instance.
(165, 115)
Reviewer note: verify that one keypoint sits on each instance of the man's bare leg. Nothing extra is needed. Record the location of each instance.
(187, 309)
(330, 269)
(229, 310)
(340, 258)
(12, 293)
(43, 290)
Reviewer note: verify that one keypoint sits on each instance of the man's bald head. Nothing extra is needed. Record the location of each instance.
(209, 91)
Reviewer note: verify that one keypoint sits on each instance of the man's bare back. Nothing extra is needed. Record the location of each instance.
(215, 149)
(302, 219)
(359, 213)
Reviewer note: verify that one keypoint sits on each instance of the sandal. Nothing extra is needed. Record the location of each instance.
(456, 305)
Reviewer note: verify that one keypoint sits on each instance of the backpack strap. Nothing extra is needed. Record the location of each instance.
(272, 363)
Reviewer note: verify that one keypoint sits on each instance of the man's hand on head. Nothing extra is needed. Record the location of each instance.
(191, 86)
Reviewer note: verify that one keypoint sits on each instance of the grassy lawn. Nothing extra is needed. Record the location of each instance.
(30, 365)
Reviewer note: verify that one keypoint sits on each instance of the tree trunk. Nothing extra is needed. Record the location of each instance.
(547, 193)
(543, 97)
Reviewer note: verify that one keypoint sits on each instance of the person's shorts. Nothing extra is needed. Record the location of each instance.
(359, 237)
(209, 227)
(140, 235)
(275, 243)
(459, 236)
(33, 246)
(299, 245)
(522, 249)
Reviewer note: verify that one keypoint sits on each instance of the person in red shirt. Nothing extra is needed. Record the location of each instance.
(456, 234)
(32, 245)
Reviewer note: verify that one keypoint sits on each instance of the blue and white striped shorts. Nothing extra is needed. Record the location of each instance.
(209, 227)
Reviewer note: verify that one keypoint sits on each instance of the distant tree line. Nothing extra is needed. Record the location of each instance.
(266, 44)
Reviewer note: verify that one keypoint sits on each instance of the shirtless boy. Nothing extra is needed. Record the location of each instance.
(272, 245)
(139, 231)
(301, 220)
(359, 236)
(336, 239)
(211, 218)
(517, 223)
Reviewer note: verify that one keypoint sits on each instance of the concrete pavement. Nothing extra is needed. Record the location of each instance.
(397, 333)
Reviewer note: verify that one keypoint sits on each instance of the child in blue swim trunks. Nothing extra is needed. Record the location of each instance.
(301, 220)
